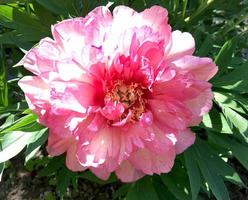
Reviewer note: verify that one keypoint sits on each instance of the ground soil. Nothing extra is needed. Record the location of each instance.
(20, 184)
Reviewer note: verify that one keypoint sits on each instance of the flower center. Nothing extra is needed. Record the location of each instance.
(130, 95)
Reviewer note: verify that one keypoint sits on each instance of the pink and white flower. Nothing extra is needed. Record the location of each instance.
(118, 91)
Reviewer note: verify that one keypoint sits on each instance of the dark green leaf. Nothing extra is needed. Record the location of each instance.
(206, 46)
(208, 170)
(177, 182)
(121, 191)
(63, 180)
(22, 22)
(193, 172)
(35, 144)
(60, 7)
(235, 80)
(238, 149)
(22, 122)
(216, 121)
(225, 55)
(54, 164)
(91, 177)
(142, 190)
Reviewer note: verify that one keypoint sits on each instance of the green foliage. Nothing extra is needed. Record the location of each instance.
(136, 191)
(220, 30)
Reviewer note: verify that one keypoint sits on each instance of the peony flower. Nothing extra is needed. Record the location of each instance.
(118, 91)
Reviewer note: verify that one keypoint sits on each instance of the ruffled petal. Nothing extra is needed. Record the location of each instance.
(150, 163)
(201, 104)
(184, 140)
(182, 44)
(37, 93)
(75, 96)
(157, 18)
(95, 152)
(71, 160)
(57, 145)
(81, 37)
(171, 113)
(41, 58)
(100, 172)
(127, 173)
(200, 68)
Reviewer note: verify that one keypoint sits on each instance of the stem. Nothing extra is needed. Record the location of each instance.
(236, 23)
(185, 2)
(200, 10)
(3, 80)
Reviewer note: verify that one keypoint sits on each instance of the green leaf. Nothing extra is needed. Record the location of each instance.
(224, 56)
(238, 121)
(63, 180)
(42, 13)
(208, 171)
(235, 80)
(91, 177)
(206, 46)
(35, 143)
(238, 149)
(121, 191)
(13, 108)
(4, 90)
(13, 143)
(18, 38)
(60, 7)
(177, 182)
(54, 164)
(220, 166)
(193, 172)
(21, 21)
(216, 121)
(22, 122)
(161, 189)
(9, 121)
(142, 190)
(2, 166)
(229, 101)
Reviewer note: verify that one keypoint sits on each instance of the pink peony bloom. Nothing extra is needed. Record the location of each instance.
(118, 91)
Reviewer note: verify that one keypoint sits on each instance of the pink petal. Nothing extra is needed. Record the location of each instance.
(127, 173)
(74, 96)
(71, 160)
(184, 140)
(95, 152)
(201, 104)
(171, 113)
(57, 145)
(41, 58)
(201, 68)
(157, 18)
(62, 121)
(158, 142)
(79, 36)
(182, 44)
(68, 70)
(100, 172)
(37, 93)
(150, 163)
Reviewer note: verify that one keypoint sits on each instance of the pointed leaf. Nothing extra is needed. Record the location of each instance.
(13, 143)
(142, 190)
(214, 180)
(193, 172)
